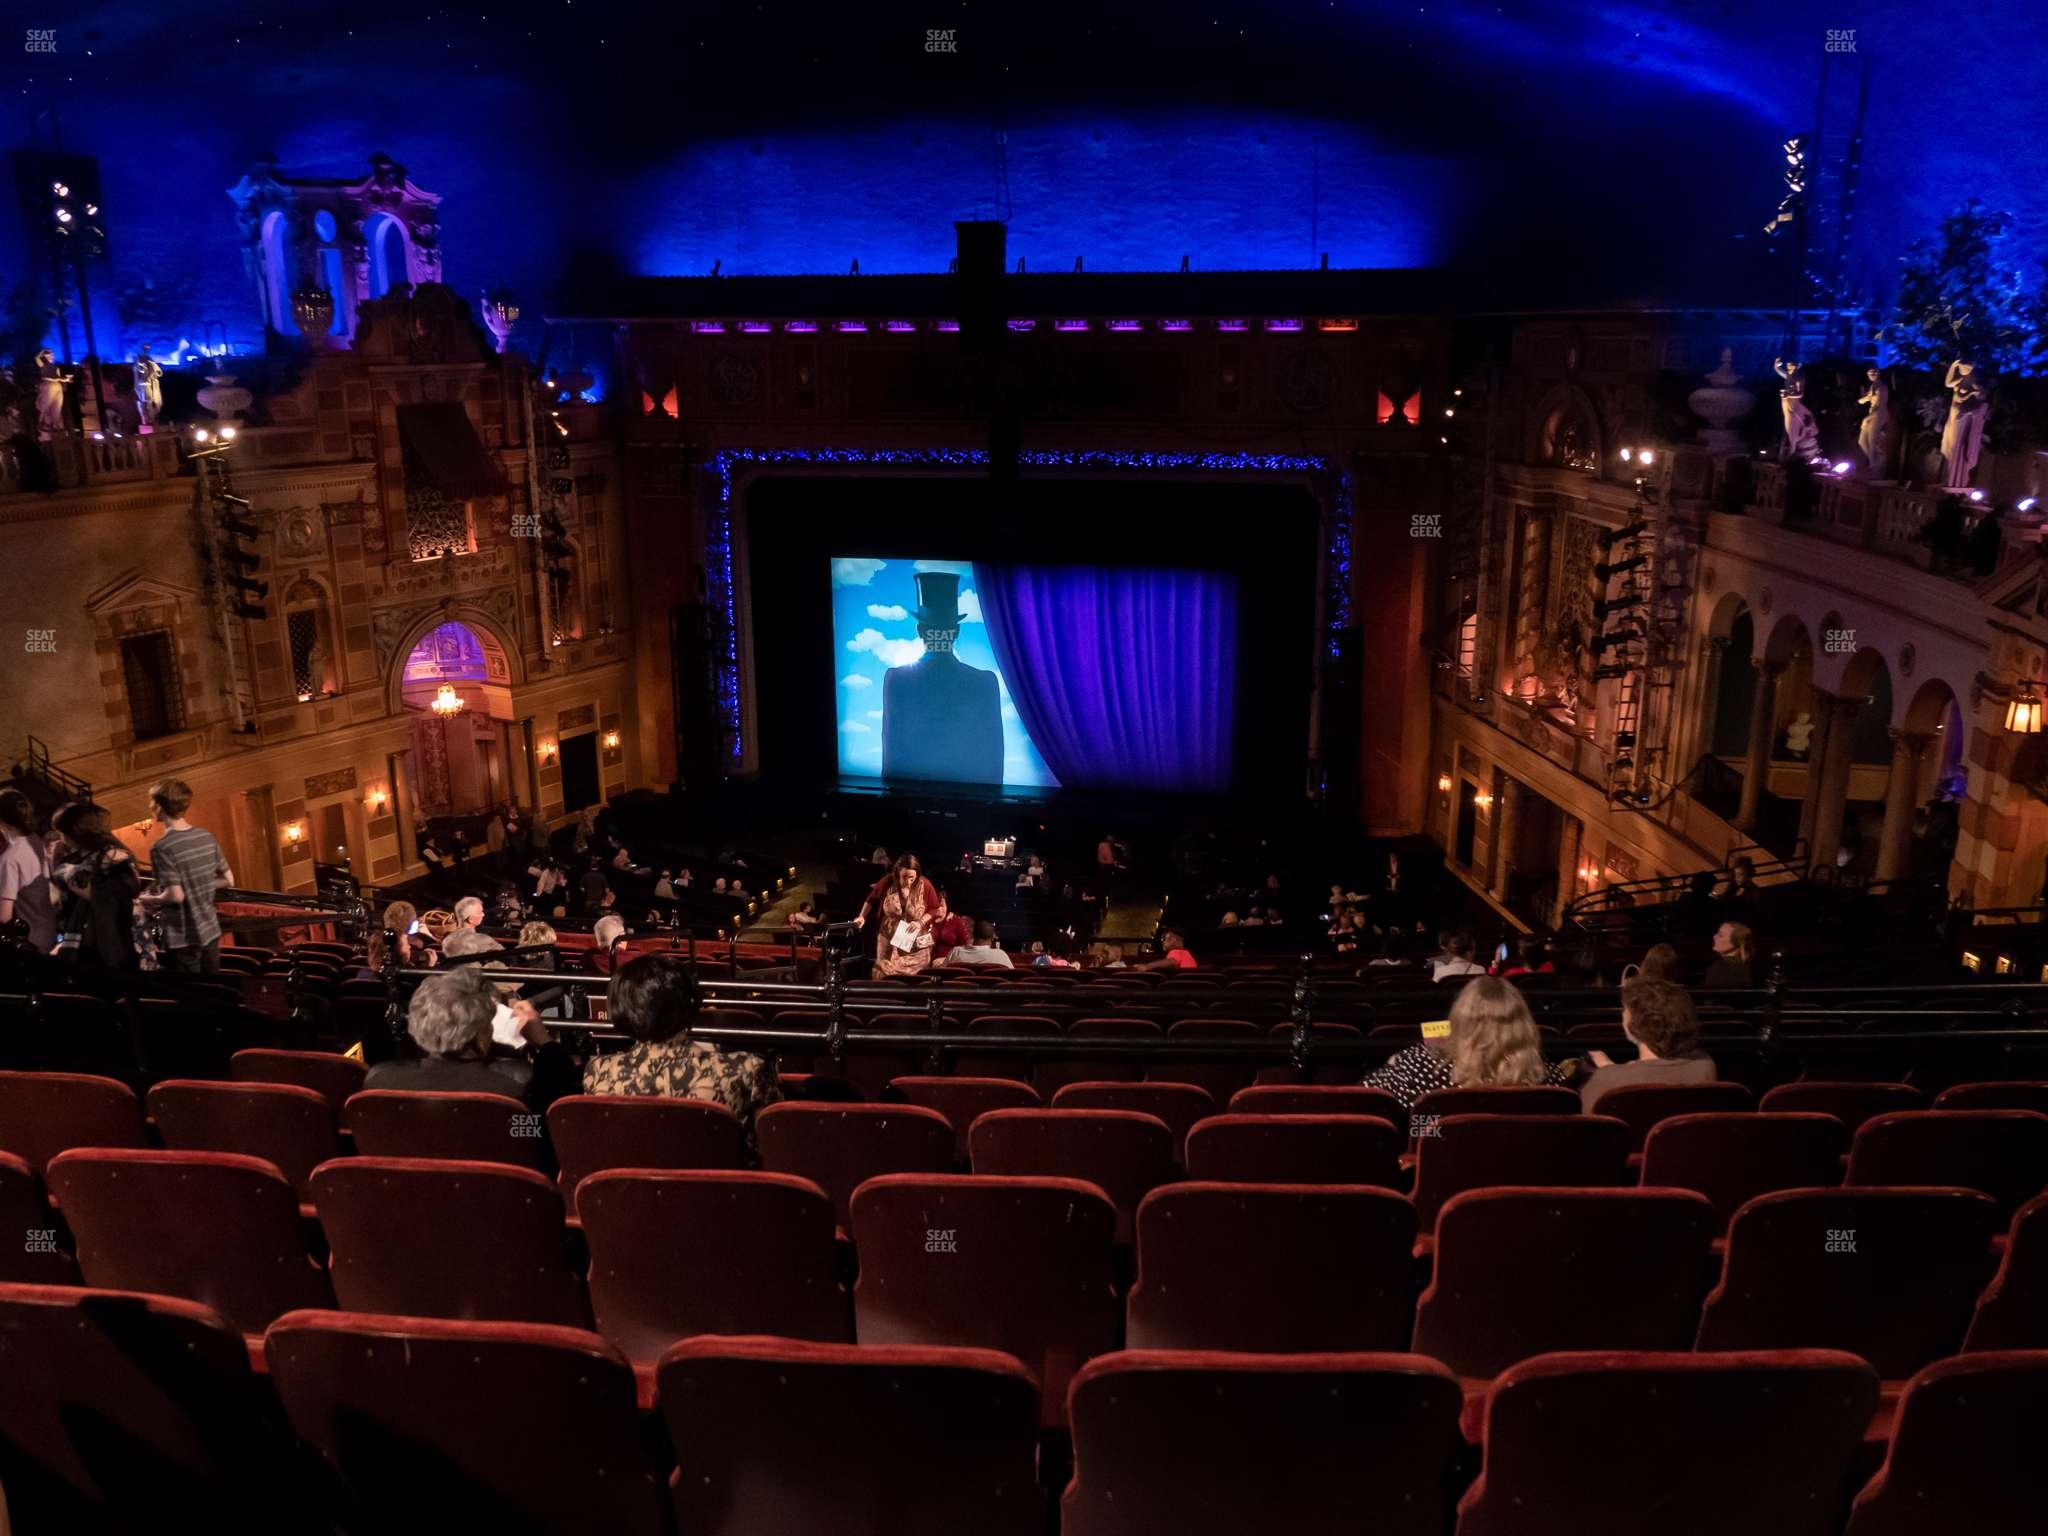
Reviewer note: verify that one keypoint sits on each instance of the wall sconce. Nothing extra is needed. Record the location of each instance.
(1443, 783)
(547, 752)
(377, 800)
(611, 741)
(1484, 800)
(294, 832)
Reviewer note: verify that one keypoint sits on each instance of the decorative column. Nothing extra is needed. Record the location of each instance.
(1907, 749)
(1756, 765)
(1506, 822)
(1823, 714)
(1569, 837)
(1834, 782)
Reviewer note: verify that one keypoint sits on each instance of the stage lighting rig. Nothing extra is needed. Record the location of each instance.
(1605, 573)
(1613, 605)
(1607, 642)
(1614, 536)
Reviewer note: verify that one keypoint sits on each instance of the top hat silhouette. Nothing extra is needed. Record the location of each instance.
(938, 599)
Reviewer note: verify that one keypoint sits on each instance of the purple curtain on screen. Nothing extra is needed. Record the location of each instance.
(1119, 676)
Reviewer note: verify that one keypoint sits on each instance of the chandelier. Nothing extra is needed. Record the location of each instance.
(447, 702)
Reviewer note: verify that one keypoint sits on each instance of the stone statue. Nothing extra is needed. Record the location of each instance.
(50, 382)
(1799, 735)
(1962, 439)
(1802, 433)
(1870, 436)
(149, 388)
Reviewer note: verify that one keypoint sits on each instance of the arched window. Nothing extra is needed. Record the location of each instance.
(1569, 440)
(390, 254)
(1468, 644)
(310, 630)
(277, 287)
(325, 231)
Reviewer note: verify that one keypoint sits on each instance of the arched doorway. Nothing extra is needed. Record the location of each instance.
(390, 254)
(455, 684)
(1867, 686)
(1734, 692)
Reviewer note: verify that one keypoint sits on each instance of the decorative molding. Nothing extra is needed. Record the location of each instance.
(320, 785)
(135, 590)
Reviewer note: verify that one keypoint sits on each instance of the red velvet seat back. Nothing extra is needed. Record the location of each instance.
(997, 1064)
(1055, 1073)
(440, 1237)
(1296, 1149)
(1679, 1444)
(333, 1076)
(1172, 1443)
(213, 1227)
(37, 1257)
(2003, 1152)
(1732, 1159)
(1888, 1274)
(289, 1126)
(1272, 1268)
(2013, 1311)
(1180, 1105)
(594, 1132)
(470, 1127)
(1851, 1103)
(676, 1253)
(838, 1147)
(1325, 1070)
(1462, 1152)
(1642, 1105)
(1542, 1099)
(2032, 1096)
(1965, 1449)
(127, 1411)
(439, 1425)
(1015, 1264)
(1319, 1099)
(776, 1435)
(1591, 1268)
(1124, 1154)
(1220, 1078)
(44, 1113)
(962, 1099)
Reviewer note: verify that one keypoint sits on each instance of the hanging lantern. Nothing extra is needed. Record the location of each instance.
(447, 702)
(2023, 715)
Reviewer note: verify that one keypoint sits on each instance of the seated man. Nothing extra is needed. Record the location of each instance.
(654, 999)
(1174, 954)
(982, 951)
(451, 1020)
(1658, 1016)
(1456, 964)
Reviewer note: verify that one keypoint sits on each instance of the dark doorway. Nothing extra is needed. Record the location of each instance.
(579, 772)
(1532, 889)
(1468, 820)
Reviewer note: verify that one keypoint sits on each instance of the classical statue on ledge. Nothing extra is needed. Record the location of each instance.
(149, 388)
(1802, 433)
(50, 382)
(1962, 437)
(1870, 436)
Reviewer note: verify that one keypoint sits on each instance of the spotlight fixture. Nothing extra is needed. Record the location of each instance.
(1977, 496)
(1616, 605)
(1604, 643)
(1843, 466)
(1627, 454)
(1614, 536)
(1620, 567)
(2024, 504)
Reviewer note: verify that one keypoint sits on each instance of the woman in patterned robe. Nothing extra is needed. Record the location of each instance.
(904, 901)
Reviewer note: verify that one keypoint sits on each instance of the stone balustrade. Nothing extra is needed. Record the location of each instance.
(78, 461)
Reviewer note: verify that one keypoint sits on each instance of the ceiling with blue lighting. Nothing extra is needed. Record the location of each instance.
(1548, 151)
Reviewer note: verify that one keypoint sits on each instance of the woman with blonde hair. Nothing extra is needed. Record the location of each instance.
(1734, 955)
(1489, 1041)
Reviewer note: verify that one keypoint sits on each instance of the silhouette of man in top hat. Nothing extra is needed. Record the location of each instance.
(941, 719)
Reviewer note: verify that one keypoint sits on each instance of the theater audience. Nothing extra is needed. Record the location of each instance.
(1492, 1043)
(1530, 958)
(102, 892)
(664, 888)
(983, 951)
(450, 1020)
(1456, 962)
(1174, 954)
(533, 936)
(1658, 1016)
(414, 953)
(805, 919)
(1659, 963)
(605, 933)
(1732, 958)
(949, 933)
(655, 999)
(1737, 897)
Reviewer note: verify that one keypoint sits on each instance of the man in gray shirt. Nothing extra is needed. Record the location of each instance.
(25, 872)
(982, 951)
(188, 868)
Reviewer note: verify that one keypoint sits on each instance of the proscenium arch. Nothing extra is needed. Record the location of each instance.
(489, 631)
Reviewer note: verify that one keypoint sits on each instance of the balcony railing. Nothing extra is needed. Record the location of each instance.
(1887, 519)
(71, 462)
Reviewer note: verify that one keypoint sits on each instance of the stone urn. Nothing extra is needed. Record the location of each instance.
(226, 399)
(1719, 402)
(501, 313)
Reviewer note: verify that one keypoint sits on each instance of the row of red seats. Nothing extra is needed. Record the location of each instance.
(148, 1407)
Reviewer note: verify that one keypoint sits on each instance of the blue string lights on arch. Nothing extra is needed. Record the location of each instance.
(729, 466)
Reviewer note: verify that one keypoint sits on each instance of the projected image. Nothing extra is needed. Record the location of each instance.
(991, 673)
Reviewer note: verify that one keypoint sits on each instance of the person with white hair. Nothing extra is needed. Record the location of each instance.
(607, 932)
(467, 937)
(450, 1020)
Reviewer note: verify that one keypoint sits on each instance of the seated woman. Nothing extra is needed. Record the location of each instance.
(1659, 963)
(1733, 950)
(654, 999)
(451, 1020)
(1492, 1043)
(1658, 1017)
(414, 952)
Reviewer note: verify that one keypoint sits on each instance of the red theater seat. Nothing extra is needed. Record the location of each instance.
(1016, 1067)
(962, 1099)
(1541, 1100)
(1190, 1443)
(1180, 1105)
(1676, 1444)
(1965, 1446)
(1296, 1149)
(36, 1257)
(777, 1435)
(1734, 1158)
(1641, 1107)
(285, 1125)
(1850, 1103)
(1319, 1099)
(2003, 1152)
(1015, 1264)
(2033, 1096)
(44, 1113)
(1462, 1152)
(440, 1237)
(1220, 1078)
(676, 1253)
(1524, 1272)
(1125, 1155)
(2013, 1311)
(429, 1424)
(129, 1412)
(213, 1227)
(1327, 1071)
(1273, 1268)
(1888, 1274)
(468, 1127)
(838, 1147)
(1054, 1075)
(334, 1077)
(594, 1132)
